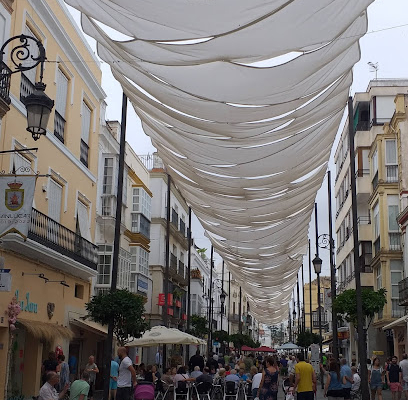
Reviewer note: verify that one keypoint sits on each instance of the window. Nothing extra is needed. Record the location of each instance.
(54, 200)
(139, 260)
(393, 211)
(104, 264)
(85, 130)
(374, 161)
(60, 105)
(124, 269)
(376, 219)
(391, 162)
(83, 220)
(140, 224)
(107, 176)
(378, 278)
(141, 202)
(21, 164)
(396, 268)
(382, 109)
(79, 291)
(28, 78)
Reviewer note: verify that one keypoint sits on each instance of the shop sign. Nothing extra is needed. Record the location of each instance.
(178, 303)
(5, 280)
(378, 353)
(162, 297)
(170, 311)
(27, 305)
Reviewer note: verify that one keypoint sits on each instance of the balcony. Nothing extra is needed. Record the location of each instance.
(26, 87)
(173, 262)
(392, 173)
(394, 241)
(182, 227)
(53, 244)
(53, 235)
(174, 218)
(177, 271)
(363, 126)
(403, 292)
(5, 83)
(59, 126)
(181, 269)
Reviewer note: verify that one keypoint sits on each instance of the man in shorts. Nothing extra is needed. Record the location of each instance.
(305, 381)
(394, 377)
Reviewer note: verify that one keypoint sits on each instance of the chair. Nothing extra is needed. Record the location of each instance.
(230, 391)
(163, 389)
(182, 391)
(203, 390)
(356, 395)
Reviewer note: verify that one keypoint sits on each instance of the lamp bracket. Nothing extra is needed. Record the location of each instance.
(324, 241)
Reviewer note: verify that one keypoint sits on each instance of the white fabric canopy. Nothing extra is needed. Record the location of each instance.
(162, 335)
(242, 100)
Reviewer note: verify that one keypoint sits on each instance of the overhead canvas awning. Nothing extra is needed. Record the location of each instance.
(242, 100)
(89, 325)
(45, 330)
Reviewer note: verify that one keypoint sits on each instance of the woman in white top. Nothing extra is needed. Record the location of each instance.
(182, 376)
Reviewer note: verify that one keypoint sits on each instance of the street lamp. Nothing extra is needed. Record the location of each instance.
(317, 264)
(38, 104)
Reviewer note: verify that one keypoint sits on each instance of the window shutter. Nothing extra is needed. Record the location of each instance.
(86, 123)
(83, 219)
(62, 92)
(54, 200)
(32, 73)
(21, 164)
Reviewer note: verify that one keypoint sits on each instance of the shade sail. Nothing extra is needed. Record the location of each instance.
(242, 100)
(162, 335)
(289, 346)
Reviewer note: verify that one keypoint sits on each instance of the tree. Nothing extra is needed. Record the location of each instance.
(126, 309)
(199, 326)
(221, 336)
(240, 340)
(373, 302)
(306, 338)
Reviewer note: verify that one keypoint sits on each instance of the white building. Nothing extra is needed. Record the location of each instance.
(133, 273)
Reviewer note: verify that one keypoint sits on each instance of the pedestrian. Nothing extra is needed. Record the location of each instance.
(49, 365)
(284, 365)
(205, 377)
(394, 377)
(212, 364)
(196, 373)
(79, 389)
(159, 358)
(334, 387)
(48, 391)
(197, 360)
(404, 368)
(268, 388)
(127, 376)
(305, 379)
(92, 370)
(355, 387)
(113, 382)
(346, 378)
(73, 365)
(256, 381)
(291, 369)
(376, 379)
(62, 371)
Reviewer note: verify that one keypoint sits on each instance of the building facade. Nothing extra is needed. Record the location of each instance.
(51, 271)
(377, 182)
(133, 273)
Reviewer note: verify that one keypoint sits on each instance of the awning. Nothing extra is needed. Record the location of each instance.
(397, 322)
(89, 325)
(45, 330)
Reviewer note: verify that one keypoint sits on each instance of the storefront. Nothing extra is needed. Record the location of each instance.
(46, 296)
(396, 333)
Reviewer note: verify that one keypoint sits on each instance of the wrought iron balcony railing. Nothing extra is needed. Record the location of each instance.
(55, 236)
(5, 82)
(403, 292)
(59, 126)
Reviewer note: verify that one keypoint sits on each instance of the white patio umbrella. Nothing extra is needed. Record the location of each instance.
(162, 335)
(288, 346)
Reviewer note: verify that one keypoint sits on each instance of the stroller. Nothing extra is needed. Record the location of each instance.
(144, 391)
(288, 389)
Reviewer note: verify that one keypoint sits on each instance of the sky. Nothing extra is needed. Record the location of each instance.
(386, 43)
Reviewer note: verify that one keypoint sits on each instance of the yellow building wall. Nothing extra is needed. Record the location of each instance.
(48, 154)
